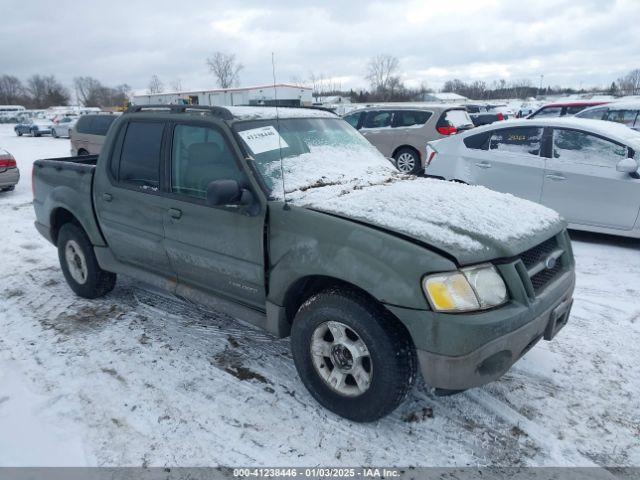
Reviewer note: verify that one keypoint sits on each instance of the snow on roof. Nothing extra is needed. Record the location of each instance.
(613, 130)
(260, 113)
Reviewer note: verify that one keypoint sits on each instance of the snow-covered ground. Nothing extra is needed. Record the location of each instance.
(139, 378)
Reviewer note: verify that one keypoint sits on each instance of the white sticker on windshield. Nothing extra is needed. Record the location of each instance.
(263, 139)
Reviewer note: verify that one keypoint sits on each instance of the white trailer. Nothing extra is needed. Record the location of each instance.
(286, 95)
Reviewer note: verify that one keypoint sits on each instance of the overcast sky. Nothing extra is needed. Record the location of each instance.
(588, 42)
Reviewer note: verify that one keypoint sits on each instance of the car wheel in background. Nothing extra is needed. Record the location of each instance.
(353, 356)
(82, 151)
(8, 189)
(18, 133)
(79, 264)
(408, 161)
(54, 133)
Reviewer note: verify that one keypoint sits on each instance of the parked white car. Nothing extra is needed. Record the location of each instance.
(62, 127)
(585, 169)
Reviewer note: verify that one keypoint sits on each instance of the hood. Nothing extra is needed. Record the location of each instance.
(471, 223)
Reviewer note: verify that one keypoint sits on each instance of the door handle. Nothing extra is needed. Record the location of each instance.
(483, 165)
(175, 213)
(553, 176)
(107, 197)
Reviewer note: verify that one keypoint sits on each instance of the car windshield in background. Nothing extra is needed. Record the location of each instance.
(315, 152)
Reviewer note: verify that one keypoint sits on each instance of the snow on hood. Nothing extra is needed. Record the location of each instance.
(451, 216)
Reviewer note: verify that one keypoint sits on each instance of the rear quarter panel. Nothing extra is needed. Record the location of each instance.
(68, 188)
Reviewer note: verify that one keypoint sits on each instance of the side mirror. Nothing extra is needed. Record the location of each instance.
(628, 165)
(227, 192)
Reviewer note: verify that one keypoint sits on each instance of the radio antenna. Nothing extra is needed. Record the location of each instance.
(275, 96)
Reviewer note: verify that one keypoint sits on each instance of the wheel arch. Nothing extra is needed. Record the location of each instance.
(410, 147)
(59, 217)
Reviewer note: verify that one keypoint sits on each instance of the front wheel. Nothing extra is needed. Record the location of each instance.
(408, 161)
(54, 134)
(79, 264)
(353, 356)
(18, 133)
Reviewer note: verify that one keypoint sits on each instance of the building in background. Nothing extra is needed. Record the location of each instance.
(286, 95)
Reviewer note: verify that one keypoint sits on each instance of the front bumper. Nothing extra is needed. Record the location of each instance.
(9, 177)
(461, 351)
(495, 358)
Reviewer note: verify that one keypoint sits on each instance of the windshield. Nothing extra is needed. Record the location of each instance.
(316, 152)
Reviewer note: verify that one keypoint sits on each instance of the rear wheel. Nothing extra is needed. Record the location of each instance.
(353, 356)
(19, 133)
(408, 161)
(8, 189)
(54, 133)
(82, 151)
(79, 264)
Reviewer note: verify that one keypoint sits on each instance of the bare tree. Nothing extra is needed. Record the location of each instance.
(45, 91)
(381, 71)
(630, 83)
(155, 85)
(89, 91)
(11, 90)
(225, 68)
(176, 85)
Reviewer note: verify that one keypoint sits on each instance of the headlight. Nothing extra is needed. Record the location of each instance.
(473, 288)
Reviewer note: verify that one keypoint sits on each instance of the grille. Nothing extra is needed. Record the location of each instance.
(539, 280)
(539, 252)
(534, 259)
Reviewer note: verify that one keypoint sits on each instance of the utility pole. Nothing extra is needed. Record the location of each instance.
(540, 89)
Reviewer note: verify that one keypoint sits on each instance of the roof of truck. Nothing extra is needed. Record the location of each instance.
(236, 113)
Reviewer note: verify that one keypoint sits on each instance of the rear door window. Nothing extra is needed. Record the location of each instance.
(548, 112)
(625, 117)
(526, 140)
(580, 147)
(140, 156)
(572, 110)
(101, 124)
(410, 118)
(595, 114)
(84, 124)
(378, 119)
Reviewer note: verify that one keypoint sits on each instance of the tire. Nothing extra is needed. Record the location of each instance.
(408, 161)
(54, 134)
(8, 189)
(389, 368)
(85, 278)
(82, 151)
(18, 133)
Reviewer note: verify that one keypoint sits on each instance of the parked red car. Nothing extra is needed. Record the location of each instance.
(563, 108)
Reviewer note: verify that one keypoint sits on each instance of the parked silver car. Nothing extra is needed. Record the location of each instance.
(9, 173)
(585, 169)
(627, 113)
(401, 131)
(62, 128)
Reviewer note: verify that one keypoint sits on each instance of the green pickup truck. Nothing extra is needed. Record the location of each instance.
(290, 220)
